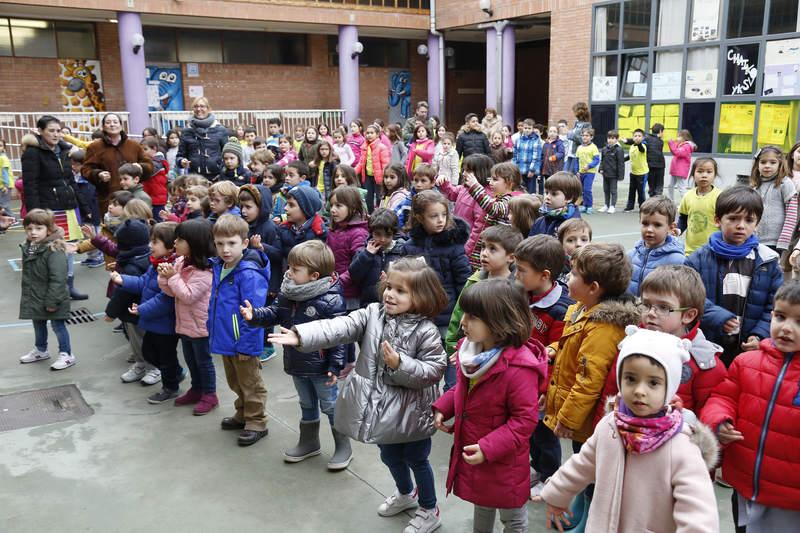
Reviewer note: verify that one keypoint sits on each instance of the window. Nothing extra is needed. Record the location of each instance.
(33, 38)
(737, 122)
(202, 46)
(741, 69)
(777, 123)
(701, 72)
(467, 56)
(745, 18)
(783, 16)
(387, 53)
(705, 20)
(671, 22)
(667, 76)
(635, 76)
(75, 40)
(5, 38)
(603, 121)
(252, 48)
(636, 24)
(696, 118)
(668, 115)
(159, 45)
(606, 28)
(287, 49)
(604, 80)
(780, 64)
(629, 118)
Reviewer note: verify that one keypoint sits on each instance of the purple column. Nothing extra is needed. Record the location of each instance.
(134, 78)
(348, 73)
(491, 67)
(433, 75)
(509, 67)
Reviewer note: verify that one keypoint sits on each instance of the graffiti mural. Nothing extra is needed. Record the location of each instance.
(399, 95)
(164, 88)
(81, 85)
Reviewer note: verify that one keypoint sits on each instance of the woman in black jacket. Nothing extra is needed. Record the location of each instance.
(202, 142)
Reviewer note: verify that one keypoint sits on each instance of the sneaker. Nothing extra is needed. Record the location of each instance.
(34, 356)
(611, 210)
(131, 359)
(94, 262)
(397, 503)
(267, 354)
(628, 210)
(536, 491)
(164, 395)
(118, 328)
(206, 404)
(424, 521)
(190, 397)
(589, 211)
(65, 360)
(582, 209)
(152, 377)
(135, 373)
(603, 209)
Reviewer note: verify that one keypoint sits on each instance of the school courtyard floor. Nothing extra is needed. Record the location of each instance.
(136, 467)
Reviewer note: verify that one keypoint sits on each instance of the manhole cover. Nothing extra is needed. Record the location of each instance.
(80, 316)
(43, 406)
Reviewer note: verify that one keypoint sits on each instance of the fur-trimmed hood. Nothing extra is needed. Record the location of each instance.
(458, 234)
(619, 312)
(54, 241)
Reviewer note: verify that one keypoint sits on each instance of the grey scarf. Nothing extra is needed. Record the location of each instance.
(202, 124)
(302, 293)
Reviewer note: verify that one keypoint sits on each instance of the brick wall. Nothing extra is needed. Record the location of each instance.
(570, 48)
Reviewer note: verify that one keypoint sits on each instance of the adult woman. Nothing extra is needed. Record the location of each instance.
(492, 122)
(583, 121)
(106, 154)
(48, 184)
(202, 142)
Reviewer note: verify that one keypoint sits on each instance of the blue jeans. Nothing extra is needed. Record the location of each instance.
(403, 458)
(314, 395)
(201, 366)
(586, 182)
(545, 451)
(59, 328)
(530, 184)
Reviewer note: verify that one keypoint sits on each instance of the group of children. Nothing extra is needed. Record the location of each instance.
(386, 278)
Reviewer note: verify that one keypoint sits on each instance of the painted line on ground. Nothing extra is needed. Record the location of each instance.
(21, 324)
(608, 235)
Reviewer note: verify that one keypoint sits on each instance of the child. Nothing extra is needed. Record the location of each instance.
(343, 151)
(696, 213)
(222, 199)
(177, 198)
(286, 153)
(86, 193)
(498, 150)
(793, 162)
(156, 312)
(324, 133)
(156, 185)
(681, 148)
(423, 179)
(472, 140)
(420, 150)
(528, 155)
(740, 275)
(197, 203)
(552, 158)
(356, 139)
(6, 179)
(44, 287)
(189, 282)
(612, 167)
(232, 159)
(383, 247)
(754, 413)
(657, 246)
(573, 234)
(347, 235)
(655, 160)
(310, 290)
(255, 202)
(130, 176)
(324, 168)
(303, 222)
(274, 178)
(299, 137)
(239, 274)
(399, 148)
(523, 210)
(308, 149)
(375, 158)
(173, 142)
(248, 144)
(446, 161)
(394, 191)
(494, 405)
(400, 363)
(111, 221)
(639, 168)
(561, 191)
(260, 161)
(274, 125)
(588, 161)
(652, 466)
(768, 177)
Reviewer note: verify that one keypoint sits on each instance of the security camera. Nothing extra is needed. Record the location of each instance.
(137, 40)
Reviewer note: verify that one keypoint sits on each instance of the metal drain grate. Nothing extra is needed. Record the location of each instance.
(80, 315)
(44, 406)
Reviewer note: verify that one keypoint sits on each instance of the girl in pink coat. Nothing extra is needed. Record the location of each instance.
(494, 404)
(420, 150)
(681, 148)
(348, 234)
(189, 282)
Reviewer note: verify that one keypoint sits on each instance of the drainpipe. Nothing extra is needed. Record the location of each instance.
(499, 26)
(440, 53)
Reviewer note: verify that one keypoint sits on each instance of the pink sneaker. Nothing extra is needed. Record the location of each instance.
(190, 397)
(206, 404)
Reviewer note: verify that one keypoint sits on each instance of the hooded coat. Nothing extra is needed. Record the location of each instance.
(367, 268)
(265, 227)
(46, 177)
(203, 148)
(645, 260)
(191, 289)
(156, 308)
(345, 242)
(44, 280)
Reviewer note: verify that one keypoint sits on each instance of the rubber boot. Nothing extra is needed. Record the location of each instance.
(343, 454)
(307, 446)
(73, 293)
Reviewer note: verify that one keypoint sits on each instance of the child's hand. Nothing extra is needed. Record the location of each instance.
(255, 241)
(51, 309)
(558, 517)
(582, 171)
(246, 310)
(116, 277)
(551, 353)
(470, 179)
(134, 309)
(473, 455)
(71, 248)
(453, 359)
(676, 231)
(277, 220)
(372, 247)
(105, 175)
(390, 356)
(727, 434)
(286, 337)
(166, 270)
(164, 214)
(530, 174)
(731, 325)
(439, 181)
(438, 423)
(541, 402)
(750, 344)
(332, 379)
(88, 231)
(562, 431)
(793, 258)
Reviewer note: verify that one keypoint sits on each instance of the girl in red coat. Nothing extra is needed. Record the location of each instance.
(375, 157)
(494, 404)
(756, 414)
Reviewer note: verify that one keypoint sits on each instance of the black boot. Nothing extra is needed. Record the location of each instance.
(73, 293)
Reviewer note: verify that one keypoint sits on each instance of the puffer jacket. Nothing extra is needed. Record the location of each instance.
(229, 334)
(47, 177)
(473, 142)
(156, 309)
(499, 414)
(132, 262)
(583, 360)
(378, 405)
(345, 243)
(767, 278)
(203, 148)
(655, 151)
(367, 268)
(425, 150)
(759, 397)
(291, 235)
(288, 313)
(191, 289)
(443, 252)
(645, 260)
(548, 225)
(381, 158)
(44, 280)
(238, 176)
(466, 207)
(681, 158)
(265, 227)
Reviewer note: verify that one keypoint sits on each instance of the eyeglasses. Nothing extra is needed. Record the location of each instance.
(660, 309)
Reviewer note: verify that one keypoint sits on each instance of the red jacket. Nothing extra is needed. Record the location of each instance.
(381, 158)
(760, 396)
(156, 185)
(499, 414)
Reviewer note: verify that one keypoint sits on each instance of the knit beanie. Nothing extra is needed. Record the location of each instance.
(132, 233)
(233, 147)
(307, 198)
(670, 352)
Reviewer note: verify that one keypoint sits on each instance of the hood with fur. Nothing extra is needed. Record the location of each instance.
(458, 234)
(619, 312)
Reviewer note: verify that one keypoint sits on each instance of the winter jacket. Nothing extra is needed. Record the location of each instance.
(86, 195)
(410, 127)
(447, 165)
(102, 155)
(44, 280)
(86, 245)
(395, 201)
(584, 355)
(549, 311)
(528, 154)
(666, 489)
(443, 252)
(358, 143)
(500, 154)
(466, 207)
(553, 154)
(612, 162)
(345, 154)
(574, 137)
(367, 268)
(323, 177)
(308, 151)
(381, 158)
(286, 158)
(472, 142)
(229, 334)
(291, 235)
(47, 177)
(499, 414)
(156, 185)
(137, 191)
(767, 278)
(288, 313)
(378, 405)
(399, 153)
(495, 210)
(682, 158)
(191, 289)
(345, 242)
(264, 227)
(422, 149)
(131, 262)
(203, 148)
(156, 309)
(655, 151)
(645, 260)
(548, 225)
(238, 176)
(759, 397)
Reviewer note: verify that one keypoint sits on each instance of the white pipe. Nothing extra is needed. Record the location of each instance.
(441, 58)
(499, 26)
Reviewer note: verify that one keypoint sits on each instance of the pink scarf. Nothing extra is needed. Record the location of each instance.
(642, 435)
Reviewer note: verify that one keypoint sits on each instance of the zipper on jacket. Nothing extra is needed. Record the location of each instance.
(765, 426)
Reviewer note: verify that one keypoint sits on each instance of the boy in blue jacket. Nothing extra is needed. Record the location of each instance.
(383, 247)
(239, 274)
(310, 291)
(657, 246)
(740, 274)
(303, 222)
(561, 192)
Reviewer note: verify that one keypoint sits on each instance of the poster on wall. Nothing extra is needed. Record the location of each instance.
(604, 88)
(399, 95)
(782, 68)
(164, 88)
(701, 83)
(741, 69)
(81, 85)
(705, 20)
(666, 85)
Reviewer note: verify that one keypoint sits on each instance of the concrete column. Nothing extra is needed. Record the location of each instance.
(433, 76)
(491, 68)
(134, 78)
(509, 71)
(348, 73)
